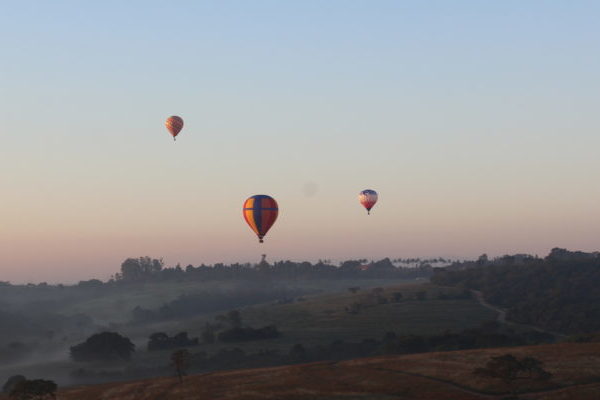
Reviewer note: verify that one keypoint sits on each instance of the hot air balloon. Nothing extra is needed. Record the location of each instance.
(174, 125)
(368, 198)
(260, 212)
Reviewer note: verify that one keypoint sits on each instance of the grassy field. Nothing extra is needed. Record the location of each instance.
(325, 317)
(116, 305)
(433, 376)
(322, 319)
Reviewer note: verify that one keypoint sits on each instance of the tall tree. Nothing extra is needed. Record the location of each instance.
(508, 368)
(180, 361)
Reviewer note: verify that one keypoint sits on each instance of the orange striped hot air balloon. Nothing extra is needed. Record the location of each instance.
(174, 125)
(260, 212)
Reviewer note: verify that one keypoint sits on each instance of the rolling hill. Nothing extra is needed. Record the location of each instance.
(433, 376)
(318, 319)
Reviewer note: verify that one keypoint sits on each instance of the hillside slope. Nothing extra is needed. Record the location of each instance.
(432, 376)
(317, 320)
(558, 293)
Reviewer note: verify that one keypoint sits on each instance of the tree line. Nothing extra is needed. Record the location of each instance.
(146, 269)
(488, 335)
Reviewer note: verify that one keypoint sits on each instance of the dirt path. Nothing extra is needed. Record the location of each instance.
(502, 316)
(501, 313)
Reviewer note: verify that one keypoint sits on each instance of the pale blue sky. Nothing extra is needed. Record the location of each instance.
(477, 122)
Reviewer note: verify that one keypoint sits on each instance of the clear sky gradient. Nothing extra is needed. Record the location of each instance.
(477, 122)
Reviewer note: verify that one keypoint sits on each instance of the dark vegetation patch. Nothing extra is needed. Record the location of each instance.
(558, 293)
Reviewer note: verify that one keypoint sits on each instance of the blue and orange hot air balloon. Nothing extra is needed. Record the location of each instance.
(260, 212)
(174, 125)
(368, 198)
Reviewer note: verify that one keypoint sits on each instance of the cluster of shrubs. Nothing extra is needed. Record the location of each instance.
(111, 346)
(105, 346)
(162, 341)
(20, 388)
(489, 335)
(378, 296)
(247, 334)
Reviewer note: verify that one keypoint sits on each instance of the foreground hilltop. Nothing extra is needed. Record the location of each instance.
(575, 369)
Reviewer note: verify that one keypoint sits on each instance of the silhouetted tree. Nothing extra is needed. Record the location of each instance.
(158, 341)
(162, 341)
(12, 382)
(105, 346)
(482, 260)
(298, 353)
(180, 361)
(508, 369)
(92, 283)
(533, 367)
(137, 269)
(37, 389)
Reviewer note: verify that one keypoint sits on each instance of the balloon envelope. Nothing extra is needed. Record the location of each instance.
(368, 198)
(260, 212)
(174, 125)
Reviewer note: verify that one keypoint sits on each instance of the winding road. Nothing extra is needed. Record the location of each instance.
(502, 316)
(501, 313)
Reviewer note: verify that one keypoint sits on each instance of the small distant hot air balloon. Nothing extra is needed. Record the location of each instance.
(260, 212)
(368, 198)
(174, 125)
